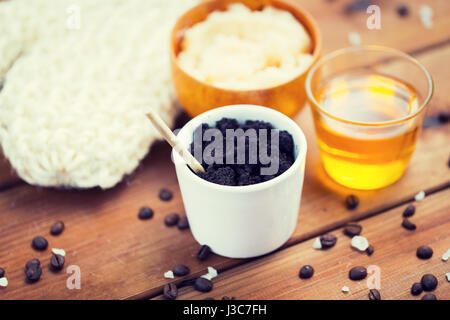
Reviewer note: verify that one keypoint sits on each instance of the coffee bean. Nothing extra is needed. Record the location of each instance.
(429, 282)
(444, 117)
(39, 243)
(408, 225)
(187, 282)
(180, 270)
(357, 273)
(145, 213)
(374, 294)
(57, 228)
(203, 253)
(352, 230)
(57, 262)
(32, 263)
(171, 219)
(33, 273)
(370, 250)
(306, 272)
(328, 241)
(424, 252)
(416, 289)
(203, 285)
(429, 296)
(170, 291)
(409, 211)
(402, 10)
(228, 298)
(183, 223)
(2, 272)
(165, 195)
(352, 202)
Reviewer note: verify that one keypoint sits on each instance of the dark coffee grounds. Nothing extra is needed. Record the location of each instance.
(246, 173)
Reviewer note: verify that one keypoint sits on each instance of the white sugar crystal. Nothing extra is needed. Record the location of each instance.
(420, 196)
(3, 282)
(360, 243)
(354, 38)
(317, 244)
(345, 289)
(446, 255)
(426, 16)
(212, 272)
(448, 276)
(207, 276)
(61, 252)
(169, 275)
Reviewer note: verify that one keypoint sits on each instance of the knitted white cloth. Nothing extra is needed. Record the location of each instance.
(79, 76)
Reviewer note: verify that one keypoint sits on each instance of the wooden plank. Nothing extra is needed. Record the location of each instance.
(276, 276)
(329, 14)
(122, 257)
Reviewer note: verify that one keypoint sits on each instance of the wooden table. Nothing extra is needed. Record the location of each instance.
(121, 257)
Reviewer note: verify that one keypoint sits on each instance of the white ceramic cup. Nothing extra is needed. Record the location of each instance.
(243, 221)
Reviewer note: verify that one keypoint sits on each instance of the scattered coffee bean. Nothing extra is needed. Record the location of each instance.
(187, 282)
(228, 298)
(57, 228)
(57, 262)
(32, 263)
(408, 225)
(444, 117)
(180, 270)
(402, 10)
(370, 250)
(409, 211)
(416, 289)
(39, 243)
(327, 241)
(183, 223)
(145, 213)
(203, 253)
(171, 219)
(203, 285)
(170, 291)
(429, 296)
(165, 195)
(357, 273)
(374, 294)
(33, 273)
(429, 282)
(306, 272)
(2, 272)
(352, 202)
(352, 230)
(424, 252)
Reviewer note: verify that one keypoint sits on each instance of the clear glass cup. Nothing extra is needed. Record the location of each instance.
(368, 105)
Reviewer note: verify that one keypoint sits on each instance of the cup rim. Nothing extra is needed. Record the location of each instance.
(192, 124)
(313, 31)
(363, 48)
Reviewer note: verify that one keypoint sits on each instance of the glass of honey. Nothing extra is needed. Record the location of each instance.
(368, 105)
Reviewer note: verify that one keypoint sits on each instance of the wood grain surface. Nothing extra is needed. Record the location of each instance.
(276, 276)
(122, 257)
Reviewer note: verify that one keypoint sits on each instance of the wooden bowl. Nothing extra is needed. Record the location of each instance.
(198, 97)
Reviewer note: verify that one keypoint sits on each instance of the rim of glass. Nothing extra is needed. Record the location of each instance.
(325, 59)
